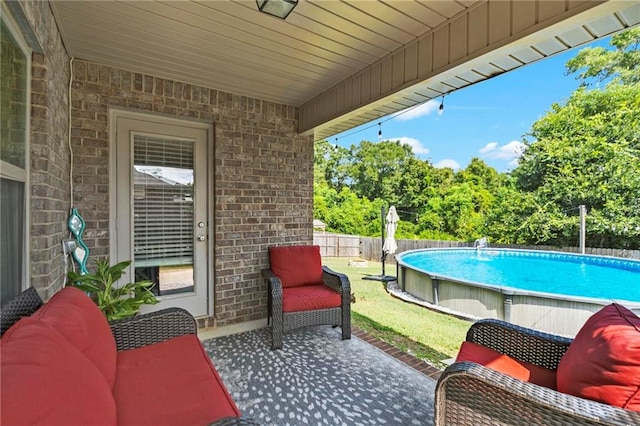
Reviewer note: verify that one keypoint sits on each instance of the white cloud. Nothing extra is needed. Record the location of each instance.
(415, 145)
(510, 152)
(488, 147)
(452, 164)
(420, 111)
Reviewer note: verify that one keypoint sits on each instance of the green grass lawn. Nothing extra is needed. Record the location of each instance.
(428, 335)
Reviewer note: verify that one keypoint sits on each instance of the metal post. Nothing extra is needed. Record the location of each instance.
(508, 303)
(382, 256)
(435, 284)
(583, 230)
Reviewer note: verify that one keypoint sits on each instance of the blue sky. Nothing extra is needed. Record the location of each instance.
(487, 120)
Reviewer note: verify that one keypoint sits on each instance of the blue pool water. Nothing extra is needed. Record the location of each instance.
(549, 272)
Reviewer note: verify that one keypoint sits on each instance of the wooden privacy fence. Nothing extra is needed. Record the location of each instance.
(337, 245)
(370, 248)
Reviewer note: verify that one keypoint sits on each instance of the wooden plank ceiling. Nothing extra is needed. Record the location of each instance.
(229, 45)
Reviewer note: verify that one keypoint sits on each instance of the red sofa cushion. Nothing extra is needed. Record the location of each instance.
(310, 298)
(170, 383)
(603, 361)
(473, 352)
(80, 321)
(296, 265)
(45, 380)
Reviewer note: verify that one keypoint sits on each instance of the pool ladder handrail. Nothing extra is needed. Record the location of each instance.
(481, 243)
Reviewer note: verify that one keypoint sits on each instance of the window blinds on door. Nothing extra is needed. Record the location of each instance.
(162, 201)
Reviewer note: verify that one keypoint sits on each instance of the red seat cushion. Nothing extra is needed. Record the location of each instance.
(170, 383)
(497, 361)
(603, 361)
(80, 321)
(45, 380)
(310, 298)
(296, 265)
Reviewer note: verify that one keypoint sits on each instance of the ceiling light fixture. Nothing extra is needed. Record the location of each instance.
(278, 8)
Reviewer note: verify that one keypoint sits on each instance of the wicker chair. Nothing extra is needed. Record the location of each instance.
(129, 333)
(470, 394)
(283, 322)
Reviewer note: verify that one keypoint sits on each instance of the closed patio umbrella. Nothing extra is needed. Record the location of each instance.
(389, 224)
(391, 221)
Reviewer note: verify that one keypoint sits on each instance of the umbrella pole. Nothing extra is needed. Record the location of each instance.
(383, 256)
(384, 253)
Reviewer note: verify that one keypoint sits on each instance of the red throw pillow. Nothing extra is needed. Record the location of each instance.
(80, 321)
(296, 265)
(603, 361)
(46, 381)
(473, 352)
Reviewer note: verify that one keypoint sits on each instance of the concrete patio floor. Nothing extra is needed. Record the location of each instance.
(317, 378)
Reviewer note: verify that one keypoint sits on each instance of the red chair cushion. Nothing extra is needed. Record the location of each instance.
(80, 321)
(473, 352)
(170, 383)
(296, 265)
(310, 298)
(603, 361)
(45, 380)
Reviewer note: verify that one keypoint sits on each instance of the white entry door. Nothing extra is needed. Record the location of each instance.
(162, 169)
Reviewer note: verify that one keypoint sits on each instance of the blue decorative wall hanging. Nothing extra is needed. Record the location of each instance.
(81, 253)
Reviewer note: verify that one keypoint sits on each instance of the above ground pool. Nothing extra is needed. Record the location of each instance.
(552, 291)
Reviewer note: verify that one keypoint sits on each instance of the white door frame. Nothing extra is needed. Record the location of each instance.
(120, 250)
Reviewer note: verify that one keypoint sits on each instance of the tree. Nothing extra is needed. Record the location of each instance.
(344, 212)
(587, 151)
(481, 175)
(335, 168)
(377, 169)
(321, 154)
(620, 65)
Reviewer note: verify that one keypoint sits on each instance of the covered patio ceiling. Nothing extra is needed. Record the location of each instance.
(342, 62)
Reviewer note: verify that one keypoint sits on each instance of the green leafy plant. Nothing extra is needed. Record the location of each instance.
(116, 302)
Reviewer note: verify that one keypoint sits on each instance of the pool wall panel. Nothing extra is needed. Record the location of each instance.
(417, 284)
(556, 316)
(475, 301)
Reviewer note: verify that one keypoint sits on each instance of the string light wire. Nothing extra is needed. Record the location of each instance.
(391, 117)
(394, 115)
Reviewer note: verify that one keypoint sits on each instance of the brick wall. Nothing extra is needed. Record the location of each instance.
(50, 195)
(263, 174)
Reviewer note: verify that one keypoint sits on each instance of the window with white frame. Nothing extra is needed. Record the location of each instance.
(15, 78)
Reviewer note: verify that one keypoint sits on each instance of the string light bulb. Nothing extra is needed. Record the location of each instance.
(441, 107)
(337, 144)
(379, 131)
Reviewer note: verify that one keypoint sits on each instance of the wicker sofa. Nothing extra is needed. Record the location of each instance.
(302, 292)
(470, 394)
(63, 363)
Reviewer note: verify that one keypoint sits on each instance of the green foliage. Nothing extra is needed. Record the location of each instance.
(345, 212)
(586, 152)
(376, 169)
(619, 65)
(114, 302)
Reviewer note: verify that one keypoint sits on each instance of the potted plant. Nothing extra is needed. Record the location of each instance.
(116, 302)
